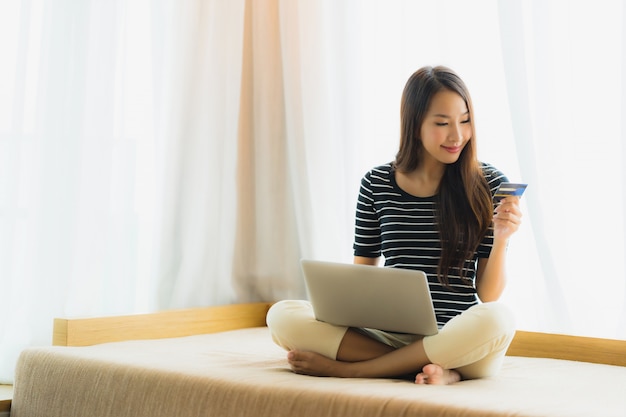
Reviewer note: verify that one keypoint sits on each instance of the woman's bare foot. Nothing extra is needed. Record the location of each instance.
(314, 364)
(435, 375)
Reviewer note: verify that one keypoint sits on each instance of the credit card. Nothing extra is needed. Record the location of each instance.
(509, 188)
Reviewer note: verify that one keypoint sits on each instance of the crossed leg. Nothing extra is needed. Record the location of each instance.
(472, 345)
(360, 356)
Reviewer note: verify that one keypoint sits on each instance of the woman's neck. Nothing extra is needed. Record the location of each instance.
(422, 181)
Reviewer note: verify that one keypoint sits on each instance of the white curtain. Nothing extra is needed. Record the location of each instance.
(565, 69)
(118, 124)
(163, 154)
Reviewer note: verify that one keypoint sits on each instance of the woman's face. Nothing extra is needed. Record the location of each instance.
(446, 128)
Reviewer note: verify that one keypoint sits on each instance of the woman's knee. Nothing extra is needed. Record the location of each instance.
(289, 322)
(497, 328)
(292, 325)
(484, 330)
(497, 319)
(287, 315)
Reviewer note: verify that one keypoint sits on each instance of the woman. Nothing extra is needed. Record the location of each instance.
(431, 209)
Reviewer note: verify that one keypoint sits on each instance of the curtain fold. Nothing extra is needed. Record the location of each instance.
(199, 124)
(552, 308)
(267, 247)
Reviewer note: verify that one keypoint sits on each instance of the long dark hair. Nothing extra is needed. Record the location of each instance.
(463, 201)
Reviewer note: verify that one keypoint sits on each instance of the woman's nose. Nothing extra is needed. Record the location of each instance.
(457, 133)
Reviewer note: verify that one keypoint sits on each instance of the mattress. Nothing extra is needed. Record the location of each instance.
(242, 373)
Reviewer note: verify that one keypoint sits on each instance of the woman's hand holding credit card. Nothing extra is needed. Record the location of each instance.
(507, 189)
(507, 215)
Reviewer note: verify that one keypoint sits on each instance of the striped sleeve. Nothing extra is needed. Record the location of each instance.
(367, 234)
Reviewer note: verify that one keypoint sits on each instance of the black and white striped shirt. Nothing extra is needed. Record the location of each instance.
(403, 228)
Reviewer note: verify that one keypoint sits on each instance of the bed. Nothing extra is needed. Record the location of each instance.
(220, 361)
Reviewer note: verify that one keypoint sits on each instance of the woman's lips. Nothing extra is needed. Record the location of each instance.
(452, 149)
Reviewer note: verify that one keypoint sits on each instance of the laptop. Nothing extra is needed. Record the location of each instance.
(390, 299)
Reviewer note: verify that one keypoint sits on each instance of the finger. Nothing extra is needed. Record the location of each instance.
(508, 201)
(509, 207)
(508, 214)
(506, 220)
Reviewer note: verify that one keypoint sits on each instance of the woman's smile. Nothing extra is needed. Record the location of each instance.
(452, 149)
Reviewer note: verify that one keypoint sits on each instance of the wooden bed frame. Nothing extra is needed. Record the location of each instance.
(179, 323)
(5, 400)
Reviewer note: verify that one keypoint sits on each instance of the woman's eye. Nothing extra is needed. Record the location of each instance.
(446, 123)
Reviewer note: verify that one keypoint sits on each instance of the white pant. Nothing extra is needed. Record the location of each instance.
(473, 343)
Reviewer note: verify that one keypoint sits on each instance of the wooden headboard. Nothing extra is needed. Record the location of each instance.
(160, 325)
(179, 323)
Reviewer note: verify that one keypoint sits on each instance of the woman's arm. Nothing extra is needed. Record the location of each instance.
(491, 272)
(362, 260)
